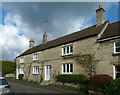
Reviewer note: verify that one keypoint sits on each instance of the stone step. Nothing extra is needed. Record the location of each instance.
(44, 83)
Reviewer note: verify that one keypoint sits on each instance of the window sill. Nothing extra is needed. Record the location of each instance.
(67, 55)
(67, 73)
(35, 74)
(35, 60)
(22, 63)
(21, 73)
(116, 54)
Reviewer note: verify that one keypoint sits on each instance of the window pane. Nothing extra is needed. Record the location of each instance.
(67, 68)
(64, 68)
(117, 44)
(64, 50)
(117, 68)
(67, 49)
(118, 49)
(71, 49)
(118, 75)
(37, 69)
(71, 67)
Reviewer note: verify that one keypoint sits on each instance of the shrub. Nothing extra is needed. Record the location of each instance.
(99, 81)
(21, 76)
(73, 78)
(113, 88)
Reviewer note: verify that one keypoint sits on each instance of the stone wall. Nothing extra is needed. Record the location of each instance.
(53, 56)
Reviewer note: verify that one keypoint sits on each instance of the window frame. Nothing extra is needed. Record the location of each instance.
(36, 56)
(36, 70)
(66, 50)
(21, 70)
(22, 60)
(116, 47)
(66, 68)
(114, 71)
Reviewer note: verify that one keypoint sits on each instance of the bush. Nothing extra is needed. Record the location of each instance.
(99, 81)
(73, 78)
(113, 88)
(21, 76)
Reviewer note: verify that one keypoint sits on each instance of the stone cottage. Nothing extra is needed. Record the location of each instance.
(93, 50)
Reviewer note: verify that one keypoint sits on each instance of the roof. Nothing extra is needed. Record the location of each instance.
(111, 30)
(82, 34)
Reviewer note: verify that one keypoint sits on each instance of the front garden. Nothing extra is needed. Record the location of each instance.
(96, 85)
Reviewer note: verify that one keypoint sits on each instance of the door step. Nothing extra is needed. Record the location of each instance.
(44, 83)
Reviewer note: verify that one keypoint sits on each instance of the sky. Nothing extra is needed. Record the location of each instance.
(21, 21)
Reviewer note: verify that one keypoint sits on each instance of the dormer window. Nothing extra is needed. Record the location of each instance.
(35, 56)
(21, 60)
(67, 50)
(117, 47)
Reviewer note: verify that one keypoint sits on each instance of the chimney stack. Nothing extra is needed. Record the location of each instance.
(99, 15)
(44, 38)
(31, 43)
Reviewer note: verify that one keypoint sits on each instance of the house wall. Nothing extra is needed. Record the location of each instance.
(53, 56)
(105, 55)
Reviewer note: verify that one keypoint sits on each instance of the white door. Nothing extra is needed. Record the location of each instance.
(47, 72)
(17, 72)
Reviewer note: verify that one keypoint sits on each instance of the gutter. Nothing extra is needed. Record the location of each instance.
(102, 40)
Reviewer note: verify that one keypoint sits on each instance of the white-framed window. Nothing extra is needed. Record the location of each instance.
(117, 47)
(36, 56)
(116, 71)
(66, 50)
(67, 68)
(22, 60)
(21, 70)
(36, 70)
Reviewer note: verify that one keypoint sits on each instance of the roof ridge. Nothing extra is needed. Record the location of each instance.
(82, 34)
(65, 35)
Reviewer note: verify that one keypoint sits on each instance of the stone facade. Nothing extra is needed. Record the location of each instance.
(103, 52)
(52, 62)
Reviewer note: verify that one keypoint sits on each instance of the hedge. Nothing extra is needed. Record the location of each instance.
(113, 88)
(72, 78)
(99, 81)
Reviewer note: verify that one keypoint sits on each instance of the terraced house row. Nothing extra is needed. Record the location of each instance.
(93, 50)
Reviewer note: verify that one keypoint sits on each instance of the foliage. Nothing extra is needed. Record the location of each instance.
(72, 78)
(99, 81)
(7, 67)
(20, 76)
(27, 70)
(88, 61)
(113, 88)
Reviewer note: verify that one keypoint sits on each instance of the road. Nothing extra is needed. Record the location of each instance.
(20, 89)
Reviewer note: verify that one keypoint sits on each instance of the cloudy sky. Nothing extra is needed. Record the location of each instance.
(20, 22)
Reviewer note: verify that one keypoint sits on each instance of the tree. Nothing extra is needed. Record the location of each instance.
(7, 67)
